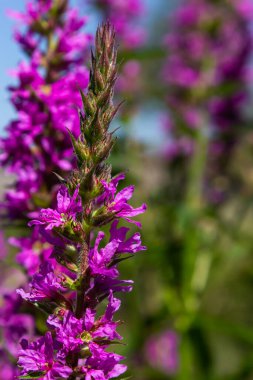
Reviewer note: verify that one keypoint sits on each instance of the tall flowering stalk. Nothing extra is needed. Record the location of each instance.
(45, 99)
(207, 73)
(36, 143)
(86, 273)
(205, 76)
(51, 37)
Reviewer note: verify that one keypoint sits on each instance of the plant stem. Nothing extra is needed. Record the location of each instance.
(84, 277)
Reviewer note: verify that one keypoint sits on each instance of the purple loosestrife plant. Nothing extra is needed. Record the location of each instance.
(45, 98)
(207, 74)
(36, 144)
(75, 346)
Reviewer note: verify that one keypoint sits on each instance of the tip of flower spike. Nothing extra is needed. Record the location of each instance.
(105, 44)
(106, 31)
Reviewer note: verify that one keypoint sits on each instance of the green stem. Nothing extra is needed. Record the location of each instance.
(197, 168)
(195, 208)
(80, 299)
(194, 242)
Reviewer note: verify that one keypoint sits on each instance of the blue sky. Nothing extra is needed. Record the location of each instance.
(11, 55)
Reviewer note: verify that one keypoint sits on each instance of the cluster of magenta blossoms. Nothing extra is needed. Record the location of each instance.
(83, 273)
(207, 70)
(45, 97)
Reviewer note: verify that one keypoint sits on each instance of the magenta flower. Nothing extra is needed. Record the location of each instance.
(73, 334)
(14, 326)
(69, 332)
(33, 251)
(51, 218)
(67, 208)
(68, 205)
(45, 285)
(117, 203)
(102, 365)
(105, 327)
(99, 260)
(122, 209)
(7, 370)
(131, 245)
(38, 359)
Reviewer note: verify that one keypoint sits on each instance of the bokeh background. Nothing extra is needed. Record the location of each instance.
(186, 142)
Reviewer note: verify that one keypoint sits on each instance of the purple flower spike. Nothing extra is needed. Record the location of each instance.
(45, 98)
(208, 99)
(75, 346)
